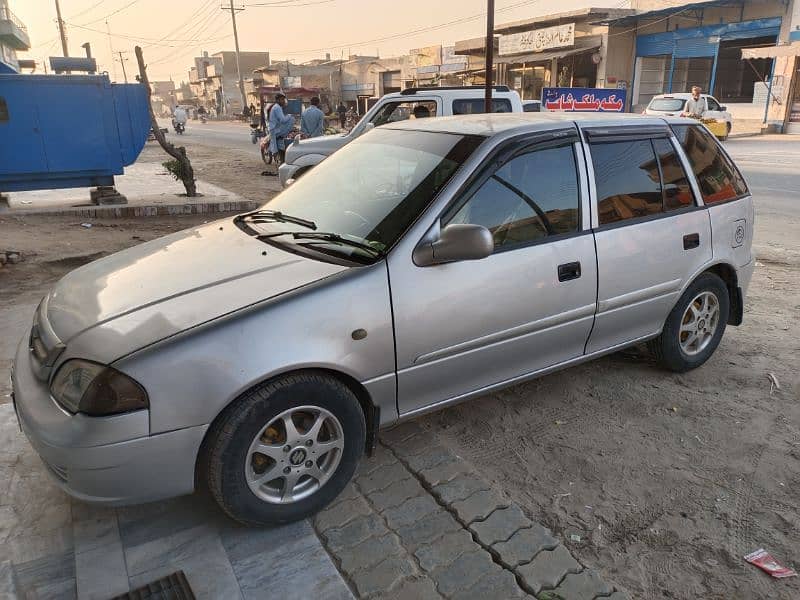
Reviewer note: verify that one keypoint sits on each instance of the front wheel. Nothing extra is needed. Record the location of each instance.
(284, 450)
(695, 326)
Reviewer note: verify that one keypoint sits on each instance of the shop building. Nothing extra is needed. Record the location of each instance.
(670, 48)
(13, 38)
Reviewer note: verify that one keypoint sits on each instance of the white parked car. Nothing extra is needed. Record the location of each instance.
(392, 108)
(672, 105)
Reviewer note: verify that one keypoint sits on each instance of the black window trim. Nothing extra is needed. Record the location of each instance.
(647, 218)
(507, 151)
(721, 149)
(671, 142)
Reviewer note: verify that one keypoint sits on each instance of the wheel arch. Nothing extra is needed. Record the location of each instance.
(727, 273)
(370, 410)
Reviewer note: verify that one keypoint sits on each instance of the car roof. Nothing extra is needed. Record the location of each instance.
(488, 125)
(470, 93)
(679, 95)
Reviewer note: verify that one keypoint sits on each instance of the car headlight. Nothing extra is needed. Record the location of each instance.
(96, 390)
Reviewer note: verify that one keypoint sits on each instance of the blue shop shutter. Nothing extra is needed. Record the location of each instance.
(655, 44)
(749, 29)
(696, 47)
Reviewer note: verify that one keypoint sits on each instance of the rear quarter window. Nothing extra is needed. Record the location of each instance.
(717, 176)
(471, 106)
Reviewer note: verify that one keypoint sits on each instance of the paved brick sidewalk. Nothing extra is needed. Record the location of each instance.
(416, 523)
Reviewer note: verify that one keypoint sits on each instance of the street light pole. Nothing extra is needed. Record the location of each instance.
(122, 62)
(238, 64)
(62, 32)
(487, 103)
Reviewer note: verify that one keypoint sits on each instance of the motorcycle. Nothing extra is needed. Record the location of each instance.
(256, 132)
(179, 127)
(203, 119)
(273, 157)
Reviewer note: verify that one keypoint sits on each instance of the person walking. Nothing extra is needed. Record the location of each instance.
(312, 123)
(280, 124)
(697, 105)
(342, 112)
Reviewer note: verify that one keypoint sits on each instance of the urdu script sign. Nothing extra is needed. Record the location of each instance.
(537, 40)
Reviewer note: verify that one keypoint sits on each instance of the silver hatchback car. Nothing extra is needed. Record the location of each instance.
(426, 263)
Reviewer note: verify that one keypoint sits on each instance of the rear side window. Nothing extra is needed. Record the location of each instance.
(717, 176)
(628, 181)
(677, 191)
(473, 106)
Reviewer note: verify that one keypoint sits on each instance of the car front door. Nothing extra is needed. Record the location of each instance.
(651, 234)
(463, 327)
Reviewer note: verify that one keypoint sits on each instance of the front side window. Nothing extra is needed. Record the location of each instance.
(472, 106)
(392, 112)
(628, 180)
(712, 104)
(718, 178)
(532, 196)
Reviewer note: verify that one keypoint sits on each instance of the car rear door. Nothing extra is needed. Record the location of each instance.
(652, 234)
(463, 327)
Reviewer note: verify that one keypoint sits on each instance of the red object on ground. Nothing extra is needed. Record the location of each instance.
(764, 561)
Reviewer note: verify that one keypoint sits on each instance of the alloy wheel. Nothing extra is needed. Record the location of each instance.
(699, 323)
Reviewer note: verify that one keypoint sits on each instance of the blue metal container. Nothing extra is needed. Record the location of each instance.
(60, 131)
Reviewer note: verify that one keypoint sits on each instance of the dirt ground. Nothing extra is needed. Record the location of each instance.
(667, 480)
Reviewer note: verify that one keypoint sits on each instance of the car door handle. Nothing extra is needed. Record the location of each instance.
(691, 240)
(569, 271)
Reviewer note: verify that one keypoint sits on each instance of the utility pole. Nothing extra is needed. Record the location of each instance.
(62, 31)
(111, 49)
(122, 62)
(236, 45)
(487, 103)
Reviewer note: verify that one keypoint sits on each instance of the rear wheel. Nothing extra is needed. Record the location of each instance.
(695, 326)
(285, 449)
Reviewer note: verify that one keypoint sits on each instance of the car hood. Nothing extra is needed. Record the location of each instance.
(172, 283)
(325, 145)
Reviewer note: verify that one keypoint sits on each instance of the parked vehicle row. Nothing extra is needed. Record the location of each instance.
(258, 356)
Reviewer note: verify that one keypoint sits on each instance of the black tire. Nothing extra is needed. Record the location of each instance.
(225, 449)
(666, 348)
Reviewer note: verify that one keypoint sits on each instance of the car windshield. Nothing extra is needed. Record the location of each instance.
(371, 190)
(667, 104)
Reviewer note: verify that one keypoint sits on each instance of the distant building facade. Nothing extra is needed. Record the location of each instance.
(13, 38)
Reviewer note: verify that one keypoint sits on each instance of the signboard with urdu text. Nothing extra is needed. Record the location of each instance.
(583, 100)
(537, 40)
(426, 57)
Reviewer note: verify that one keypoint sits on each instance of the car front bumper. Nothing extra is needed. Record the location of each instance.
(105, 460)
(286, 172)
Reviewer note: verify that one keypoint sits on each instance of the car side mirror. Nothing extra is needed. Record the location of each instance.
(723, 108)
(456, 242)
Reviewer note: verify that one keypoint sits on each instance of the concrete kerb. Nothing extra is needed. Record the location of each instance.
(133, 211)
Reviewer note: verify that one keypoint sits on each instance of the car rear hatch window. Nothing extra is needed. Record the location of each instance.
(667, 104)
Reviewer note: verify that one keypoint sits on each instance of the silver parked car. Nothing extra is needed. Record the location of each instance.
(259, 355)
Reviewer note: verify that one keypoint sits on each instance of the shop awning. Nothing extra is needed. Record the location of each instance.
(772, 51)
(583, 44)
(676, 9)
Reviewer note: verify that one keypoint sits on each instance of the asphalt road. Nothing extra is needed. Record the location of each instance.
(223, 134)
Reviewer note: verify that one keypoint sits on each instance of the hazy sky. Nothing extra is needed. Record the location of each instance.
(173, 31)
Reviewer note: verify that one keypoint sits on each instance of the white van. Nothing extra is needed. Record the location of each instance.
(302, 155)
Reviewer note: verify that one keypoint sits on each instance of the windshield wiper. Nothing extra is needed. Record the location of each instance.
(326, 237)
(271, 216)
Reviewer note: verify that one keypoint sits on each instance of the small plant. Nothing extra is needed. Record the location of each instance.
(175, 167)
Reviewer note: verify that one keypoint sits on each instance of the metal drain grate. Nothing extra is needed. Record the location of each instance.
(171, 587)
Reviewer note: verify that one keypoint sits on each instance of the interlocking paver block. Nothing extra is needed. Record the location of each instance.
(445, 471)
(548, 569)
(410, 511)
(463, 572)
(583, 586)
(350, 492)
(383, 457)
(382, 576)
(369, 553)
(478, 506)
(618, 595)
(446, 549)
(419, 444)
(498, 584)
(426, 530)
(524, 545)
(459, 488)
(354, 532)
(400, 433)
(500, 525)
(382, 478)
(396, 494)
(419, 588)
(341, 513)
(431, 457)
